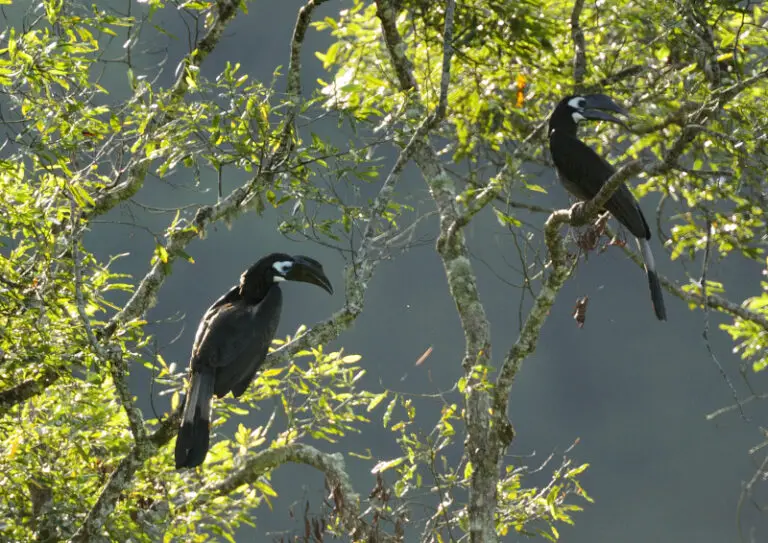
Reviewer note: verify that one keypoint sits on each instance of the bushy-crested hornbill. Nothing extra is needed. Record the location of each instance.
(583, 172)
(232, 341)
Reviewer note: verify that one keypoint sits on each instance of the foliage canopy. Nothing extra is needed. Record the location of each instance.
(461, 90)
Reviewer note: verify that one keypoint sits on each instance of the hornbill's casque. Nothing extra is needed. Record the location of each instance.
(232, 341)
(583, 172)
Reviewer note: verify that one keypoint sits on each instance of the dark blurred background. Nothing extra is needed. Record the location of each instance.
(634, 391)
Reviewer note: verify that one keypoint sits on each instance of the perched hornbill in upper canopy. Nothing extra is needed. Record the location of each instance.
(232, 341)
(583, 172)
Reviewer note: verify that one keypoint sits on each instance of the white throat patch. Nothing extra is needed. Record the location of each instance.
(282, 267)
(577, 103)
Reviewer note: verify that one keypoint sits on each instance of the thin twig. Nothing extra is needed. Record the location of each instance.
(491, 191)
(713, 301)
(705, 332)
(739, 405)
(747, 491)
(27, 389)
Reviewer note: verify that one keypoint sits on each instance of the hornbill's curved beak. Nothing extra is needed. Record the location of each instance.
(308, 270)
(596, 105)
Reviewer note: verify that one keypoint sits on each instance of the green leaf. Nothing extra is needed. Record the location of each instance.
(535, 188)
(388, 412)
(351, 359)
(265, 488)
(162, 253)
(376, 400)
(389, 464)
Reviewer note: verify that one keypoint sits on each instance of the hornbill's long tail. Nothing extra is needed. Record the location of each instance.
(653, 280)
(194, 434)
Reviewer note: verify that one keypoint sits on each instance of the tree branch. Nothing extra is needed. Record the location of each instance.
(736, 406)
(579, 47)
(706, 52)
(226, 11)
(713, 301)
(677, 117)
(395, 45)
(727, 94)
(485, 442)
(118, 481)
(293, 87)
(527, 341)
(27, 389)
(697, 121)
(144, 296)
(445, 76)
(346, 500)
(583, 212)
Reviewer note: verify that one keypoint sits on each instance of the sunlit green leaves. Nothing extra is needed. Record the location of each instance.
(526, 510)
(388, 464)
(506, 220)
(424, 466)
(76, 150)
(318, 399)
(750, 338)
(496, 44)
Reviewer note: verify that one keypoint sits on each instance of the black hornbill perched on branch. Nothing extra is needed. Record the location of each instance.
(232, 341)
(583, 172)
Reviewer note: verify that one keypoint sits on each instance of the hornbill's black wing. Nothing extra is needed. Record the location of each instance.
(232, 296)
(232, 343)
(583, 172)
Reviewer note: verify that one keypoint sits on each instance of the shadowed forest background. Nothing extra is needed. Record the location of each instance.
(93, 357)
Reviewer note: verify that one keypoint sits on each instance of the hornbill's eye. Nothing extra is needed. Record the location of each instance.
(577, 102)
(282, 267)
